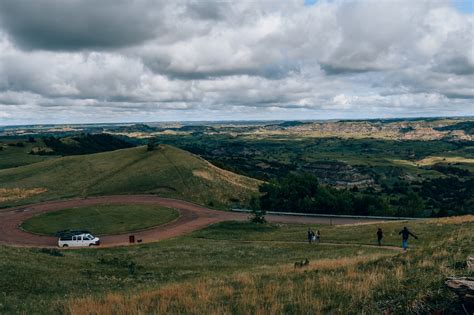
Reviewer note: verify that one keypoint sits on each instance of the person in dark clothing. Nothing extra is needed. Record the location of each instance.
(405, 235)
(318, 236)
(310, 235)
(379, 236)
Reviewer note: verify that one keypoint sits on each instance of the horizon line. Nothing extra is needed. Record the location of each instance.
(245, 120)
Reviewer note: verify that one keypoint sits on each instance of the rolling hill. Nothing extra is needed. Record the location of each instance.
(84, 144)
(14, 152)
(166, 171)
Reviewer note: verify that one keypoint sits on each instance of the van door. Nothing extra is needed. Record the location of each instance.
(76, 240)
(87, 239)
(84, 241)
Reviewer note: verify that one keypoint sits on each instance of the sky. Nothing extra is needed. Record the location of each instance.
(85, 61)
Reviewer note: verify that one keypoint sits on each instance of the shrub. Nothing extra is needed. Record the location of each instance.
(258, 216)
(151, 144)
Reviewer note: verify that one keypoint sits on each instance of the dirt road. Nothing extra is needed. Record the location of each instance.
(192, 217)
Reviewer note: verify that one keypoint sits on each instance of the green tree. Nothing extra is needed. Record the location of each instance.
(151, 145)
(411, 205)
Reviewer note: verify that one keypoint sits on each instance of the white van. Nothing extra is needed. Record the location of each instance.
(76, 239)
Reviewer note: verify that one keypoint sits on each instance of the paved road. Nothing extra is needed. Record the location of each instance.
(192, 217)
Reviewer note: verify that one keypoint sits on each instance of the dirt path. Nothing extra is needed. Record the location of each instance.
(192, 217)
(390, 247)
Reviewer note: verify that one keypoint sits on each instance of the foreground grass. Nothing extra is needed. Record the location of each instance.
(101, 219)
(406, 283)
(33, 279)
(223, 274)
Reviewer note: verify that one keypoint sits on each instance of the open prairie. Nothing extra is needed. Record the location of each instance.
(195, 256)
(237, 157)
(239, 267)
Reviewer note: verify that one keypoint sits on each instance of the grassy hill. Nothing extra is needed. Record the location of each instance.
(166, 171)
(22, 150)
(84, 144)
(14, 152)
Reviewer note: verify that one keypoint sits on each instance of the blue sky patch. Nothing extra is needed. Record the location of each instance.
(310, 2)
(465, 6)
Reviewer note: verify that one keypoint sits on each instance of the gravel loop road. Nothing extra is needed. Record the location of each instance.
(192, 217)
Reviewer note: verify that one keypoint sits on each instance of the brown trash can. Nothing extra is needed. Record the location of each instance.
(131, 239)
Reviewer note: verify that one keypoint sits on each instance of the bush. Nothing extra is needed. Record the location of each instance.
(151, 144)
(258, 216)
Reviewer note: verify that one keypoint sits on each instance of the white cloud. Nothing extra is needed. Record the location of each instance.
(205, 60)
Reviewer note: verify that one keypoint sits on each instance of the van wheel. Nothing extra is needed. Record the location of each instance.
(65, 245)
(90, 245)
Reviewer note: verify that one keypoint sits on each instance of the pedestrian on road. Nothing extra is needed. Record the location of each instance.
(405, 235)
(379, 236)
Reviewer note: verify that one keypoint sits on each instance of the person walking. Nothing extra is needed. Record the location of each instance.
(405, 235)
(379, 236)
(318, 236)
(310, 235)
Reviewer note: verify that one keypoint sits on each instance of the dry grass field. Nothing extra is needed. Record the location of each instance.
(358, 280)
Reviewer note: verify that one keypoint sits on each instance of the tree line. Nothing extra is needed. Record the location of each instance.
(304, 194)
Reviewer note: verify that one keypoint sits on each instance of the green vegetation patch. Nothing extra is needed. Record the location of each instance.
(165, 171)
(101, 219)
(83, 144)
(15, 152)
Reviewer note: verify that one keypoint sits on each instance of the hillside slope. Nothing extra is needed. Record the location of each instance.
(166, 171)
(14, 152)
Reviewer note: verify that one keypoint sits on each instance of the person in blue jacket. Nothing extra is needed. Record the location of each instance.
(405, 235)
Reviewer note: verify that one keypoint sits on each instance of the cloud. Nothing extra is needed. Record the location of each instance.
(145, 60)
(71, 25)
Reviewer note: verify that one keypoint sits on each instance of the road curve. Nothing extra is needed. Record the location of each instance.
(192, 217)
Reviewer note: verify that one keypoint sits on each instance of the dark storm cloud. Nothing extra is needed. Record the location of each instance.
(458, 65)
(330, 69)
(72, 24)
(460, 95)
(270, 71)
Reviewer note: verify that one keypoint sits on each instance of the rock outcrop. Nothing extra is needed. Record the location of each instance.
(463, 287)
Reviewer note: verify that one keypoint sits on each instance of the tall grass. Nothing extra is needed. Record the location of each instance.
(281, 291)
(396, 283)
